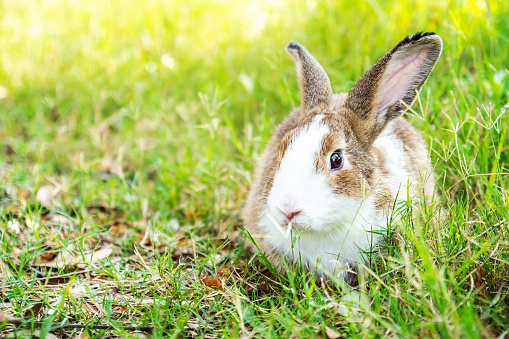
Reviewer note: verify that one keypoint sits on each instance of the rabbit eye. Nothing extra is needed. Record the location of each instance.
(336, 161)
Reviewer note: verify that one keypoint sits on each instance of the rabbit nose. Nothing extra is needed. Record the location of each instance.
(290, 212)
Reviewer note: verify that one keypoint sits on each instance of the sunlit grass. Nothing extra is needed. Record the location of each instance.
(149, 117)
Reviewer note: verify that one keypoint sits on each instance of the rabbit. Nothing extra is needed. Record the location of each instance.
(334, 168)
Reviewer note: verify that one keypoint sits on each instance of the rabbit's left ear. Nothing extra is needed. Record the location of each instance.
(392, 84)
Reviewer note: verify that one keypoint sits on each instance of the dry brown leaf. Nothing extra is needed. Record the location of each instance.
(99, 277)
(45, 258)
(82, 335)
(182, 253)
(7, 317)
(24, 193)
(57, 280)
(242, 269)
(263, 286)
(260, 286)
(189, 214)
(66, 258)
(34, 310)
(245, 266)
(183, 250)
(121, 308)
(14, 209)
(119, 228)
(144, 238)
(331, 334)
(4, 316)
(183, 243)
(212, 282)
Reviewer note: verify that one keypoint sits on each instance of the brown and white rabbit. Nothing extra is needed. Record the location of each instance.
(337, 165)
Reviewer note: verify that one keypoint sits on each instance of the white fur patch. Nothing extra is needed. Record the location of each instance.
(395, 162)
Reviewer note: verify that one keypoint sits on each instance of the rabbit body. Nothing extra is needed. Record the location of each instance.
(334, 168)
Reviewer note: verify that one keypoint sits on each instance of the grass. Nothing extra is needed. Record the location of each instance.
(130, 130)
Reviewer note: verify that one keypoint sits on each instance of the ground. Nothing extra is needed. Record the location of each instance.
(129, 135)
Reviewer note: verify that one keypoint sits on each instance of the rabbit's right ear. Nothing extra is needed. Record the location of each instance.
(315, 86)
(392, 84)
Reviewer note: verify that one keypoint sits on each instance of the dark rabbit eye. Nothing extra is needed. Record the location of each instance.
(336, 161)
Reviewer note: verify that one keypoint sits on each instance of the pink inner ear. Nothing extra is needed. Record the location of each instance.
(400, 76)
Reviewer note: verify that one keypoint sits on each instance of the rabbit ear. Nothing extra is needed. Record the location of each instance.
(315, 86)
(392, 84)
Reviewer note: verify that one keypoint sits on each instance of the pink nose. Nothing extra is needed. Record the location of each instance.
(290, 214)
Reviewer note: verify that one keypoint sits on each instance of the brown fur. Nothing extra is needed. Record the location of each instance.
(354, 125)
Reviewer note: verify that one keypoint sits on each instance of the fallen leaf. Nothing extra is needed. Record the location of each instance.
(242, 269)
(173, 224)
(7, 317)
(79, 290)
(182, 250)
(189, 214)
(82, 335)
(145, 239)
(46, 257)
(47, 195)
(66, 258)
(119, 228)
(122, 308)
(57, 280)
(263, 286)
(343, 310)
(59, 219)
(31, 223)
(34, 310)
(4, 317)
(24, 193)
(331, 334)
(8, 148)
(212, 282)
(99, 277)
(183, 243)
(14, 226)
(16, 209)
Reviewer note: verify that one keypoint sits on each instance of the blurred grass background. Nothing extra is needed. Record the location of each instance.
(160, 108)
(189, 91)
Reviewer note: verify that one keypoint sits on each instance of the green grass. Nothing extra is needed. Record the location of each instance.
(149, 116)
